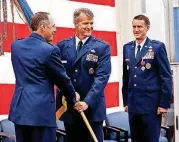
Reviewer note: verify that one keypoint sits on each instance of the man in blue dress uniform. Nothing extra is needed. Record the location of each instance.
(37, 67)
(87, 62)
(147, 82)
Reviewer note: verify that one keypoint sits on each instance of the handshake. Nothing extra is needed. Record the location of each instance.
(80, 105)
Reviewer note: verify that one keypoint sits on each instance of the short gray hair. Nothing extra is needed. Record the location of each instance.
(38, 19)
(85, 11)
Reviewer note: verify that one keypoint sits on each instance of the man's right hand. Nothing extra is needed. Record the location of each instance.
(77, 97)
(81, 106)
(126, 108)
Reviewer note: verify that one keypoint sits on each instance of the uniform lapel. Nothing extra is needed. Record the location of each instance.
(71, 50)
(144, 50)
(133, 52)
(85, 48)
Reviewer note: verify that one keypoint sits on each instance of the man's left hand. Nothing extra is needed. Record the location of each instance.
(161, 110)
(81, 106)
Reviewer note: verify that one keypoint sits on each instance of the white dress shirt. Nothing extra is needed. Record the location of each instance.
(78, 40)
(141, 44)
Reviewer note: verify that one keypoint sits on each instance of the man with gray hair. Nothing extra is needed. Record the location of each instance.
(37, 67)
(87, 62)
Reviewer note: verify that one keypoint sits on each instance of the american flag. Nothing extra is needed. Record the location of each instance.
(62, 11)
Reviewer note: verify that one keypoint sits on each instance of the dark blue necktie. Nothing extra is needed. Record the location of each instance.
(80, 44)
(138, 52)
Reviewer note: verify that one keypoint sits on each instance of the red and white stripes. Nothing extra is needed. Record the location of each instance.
(62, 11)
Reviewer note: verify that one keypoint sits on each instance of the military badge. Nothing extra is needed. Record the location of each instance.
(149, 55)
(93, 51)
(150, 50)
(148, 65)
(92, 57)
(143, 68)
(91, 71)
(142, 62)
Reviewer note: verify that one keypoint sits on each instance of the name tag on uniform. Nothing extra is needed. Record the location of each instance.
(127, 60)
(64, 61)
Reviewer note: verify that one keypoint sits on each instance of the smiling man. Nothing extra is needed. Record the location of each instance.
(87, 62)
(147, 82)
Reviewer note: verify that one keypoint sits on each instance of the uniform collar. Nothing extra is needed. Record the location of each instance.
(142, 43)
(36, 35)
(77, 40)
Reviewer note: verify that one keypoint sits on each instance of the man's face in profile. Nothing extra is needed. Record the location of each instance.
(49, 30)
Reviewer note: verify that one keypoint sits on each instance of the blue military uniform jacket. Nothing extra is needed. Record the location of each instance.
(147, 82)
(37, 68)
(89, 72)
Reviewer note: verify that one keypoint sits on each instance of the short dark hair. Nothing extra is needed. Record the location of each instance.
(143, 17)
(38, 19)
(85, 11)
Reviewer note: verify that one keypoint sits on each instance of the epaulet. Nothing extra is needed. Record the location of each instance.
(66, 39)
(130, 43)
(100, 40)
(156, 41)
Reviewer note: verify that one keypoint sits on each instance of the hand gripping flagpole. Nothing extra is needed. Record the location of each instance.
(63, 108)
